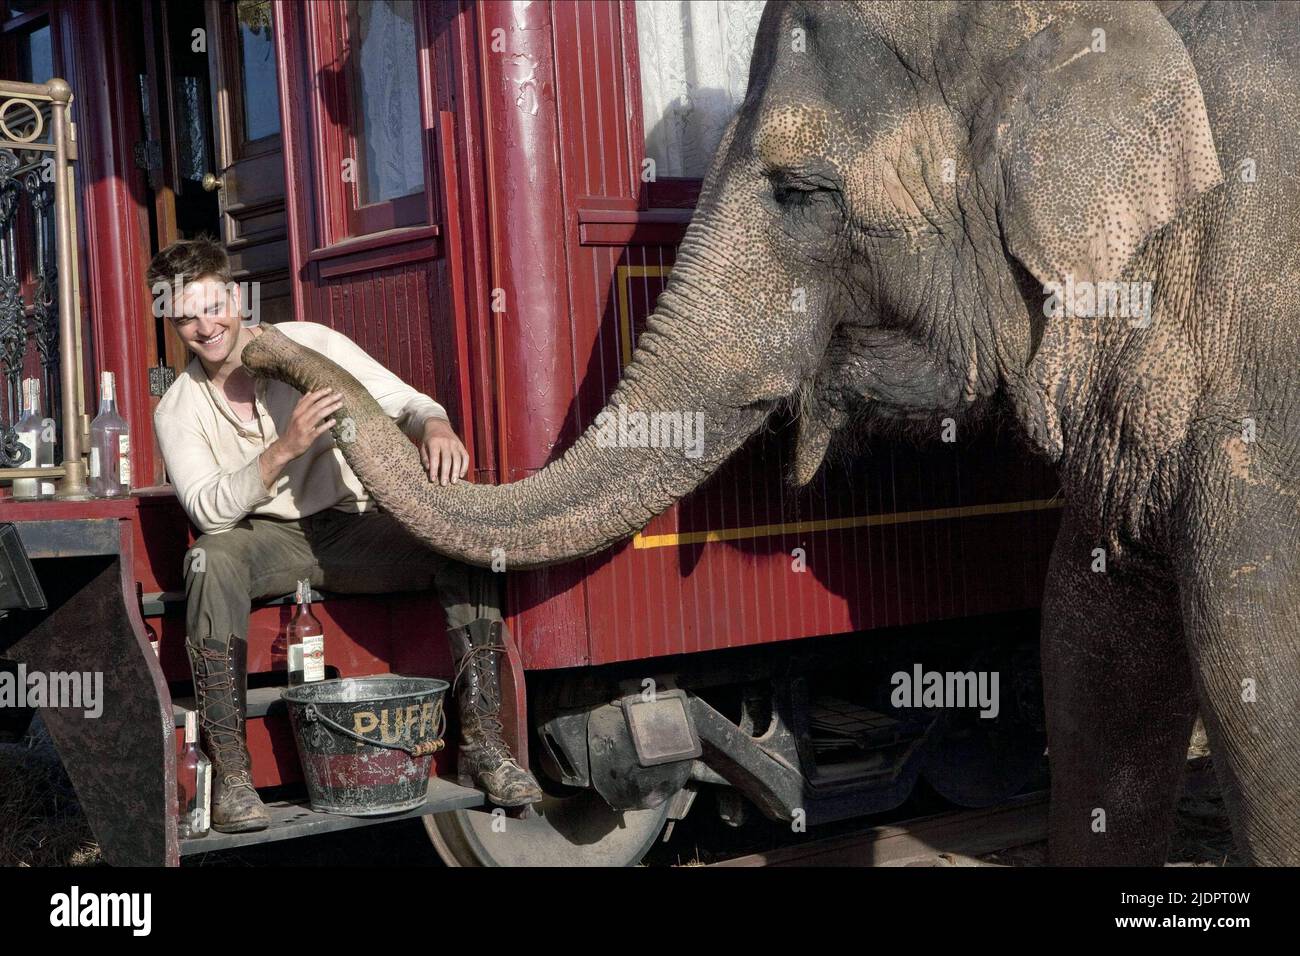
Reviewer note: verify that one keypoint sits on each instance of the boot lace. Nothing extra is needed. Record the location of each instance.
(484, 719)
(223, 732)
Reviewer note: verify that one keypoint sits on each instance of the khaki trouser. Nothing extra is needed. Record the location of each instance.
(353, 553)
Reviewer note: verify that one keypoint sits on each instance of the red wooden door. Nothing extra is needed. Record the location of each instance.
(377, 143)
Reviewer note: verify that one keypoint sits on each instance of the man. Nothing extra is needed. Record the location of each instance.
(256, 470)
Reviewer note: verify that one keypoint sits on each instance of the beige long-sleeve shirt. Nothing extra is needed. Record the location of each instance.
(212, 456)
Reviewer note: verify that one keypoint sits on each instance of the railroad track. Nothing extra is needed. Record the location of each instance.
(946, 839)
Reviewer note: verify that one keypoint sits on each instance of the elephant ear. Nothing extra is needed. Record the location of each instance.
(1102, 136)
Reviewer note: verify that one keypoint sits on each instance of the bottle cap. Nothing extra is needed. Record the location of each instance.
(191, 726)
(106, 384)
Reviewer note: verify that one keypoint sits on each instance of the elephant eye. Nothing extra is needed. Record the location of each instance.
(788, 195)
(797, 191)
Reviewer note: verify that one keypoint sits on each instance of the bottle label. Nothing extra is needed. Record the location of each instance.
(94, 462)
(26, 487)
(313, 658)
(124, 459)
(201, 819)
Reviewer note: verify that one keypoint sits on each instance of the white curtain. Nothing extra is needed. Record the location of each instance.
(694, 57)
(388, 94)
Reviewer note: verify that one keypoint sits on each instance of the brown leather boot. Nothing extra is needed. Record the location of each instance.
(220, 670)
(484, 760)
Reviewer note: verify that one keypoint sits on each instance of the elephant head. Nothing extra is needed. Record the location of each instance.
(871, 246)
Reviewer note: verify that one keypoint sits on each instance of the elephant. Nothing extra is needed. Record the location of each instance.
(1077, 215)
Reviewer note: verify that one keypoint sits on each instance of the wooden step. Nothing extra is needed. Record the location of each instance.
(295, 818)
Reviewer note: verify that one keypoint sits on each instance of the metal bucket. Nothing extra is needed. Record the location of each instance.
(367, 743)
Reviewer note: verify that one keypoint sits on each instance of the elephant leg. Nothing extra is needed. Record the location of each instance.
(1120, 708)
(1240, 585)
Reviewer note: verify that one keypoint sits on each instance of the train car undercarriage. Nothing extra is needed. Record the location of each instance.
(801, 732)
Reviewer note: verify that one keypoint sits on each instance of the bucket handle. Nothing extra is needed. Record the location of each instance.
(311, 714)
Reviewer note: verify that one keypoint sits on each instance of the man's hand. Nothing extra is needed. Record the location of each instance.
(442, 454)
(310, 419)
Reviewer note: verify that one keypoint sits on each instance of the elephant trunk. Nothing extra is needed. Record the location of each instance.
(670, 424)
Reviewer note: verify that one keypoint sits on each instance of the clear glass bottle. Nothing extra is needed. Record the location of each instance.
(110, 446)
(305, 641)
(193, 785)
(38, 435)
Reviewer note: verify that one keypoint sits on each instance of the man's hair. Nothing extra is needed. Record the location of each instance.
(190, 260)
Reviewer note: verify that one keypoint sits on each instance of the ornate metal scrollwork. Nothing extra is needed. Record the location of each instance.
(45, 285)
(28, 264)
(40, 325)
(13, 323)
(13, 346)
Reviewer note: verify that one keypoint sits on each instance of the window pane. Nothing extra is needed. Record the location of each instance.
(35, 56)
(386, 99)
(694, 58)
(257, 63)
(192, 136)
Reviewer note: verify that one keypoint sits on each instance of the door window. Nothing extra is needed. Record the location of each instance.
(370, 113)
(694, 64)
(261, 98)
(386, 104)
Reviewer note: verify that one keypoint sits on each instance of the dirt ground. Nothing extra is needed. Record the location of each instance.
(41, 824)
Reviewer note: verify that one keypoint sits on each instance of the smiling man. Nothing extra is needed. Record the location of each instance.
(256, 469)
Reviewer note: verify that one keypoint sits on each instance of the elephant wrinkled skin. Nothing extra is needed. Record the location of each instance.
(944, 187)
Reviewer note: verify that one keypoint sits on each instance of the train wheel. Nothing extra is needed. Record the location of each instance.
(979, 766)
(981, 762)
(579, 829)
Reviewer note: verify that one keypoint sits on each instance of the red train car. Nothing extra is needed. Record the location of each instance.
(487, 197)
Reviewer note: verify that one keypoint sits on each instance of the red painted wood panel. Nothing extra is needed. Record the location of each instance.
(522, 383)
(400, 314)
(875, 554)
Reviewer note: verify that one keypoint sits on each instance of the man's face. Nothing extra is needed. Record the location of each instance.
(207, 318)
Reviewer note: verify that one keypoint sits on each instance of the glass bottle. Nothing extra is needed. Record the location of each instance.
(280, 645)
(38, 435)
(110, 446)
(306, 641)
(149, 631)
(193, 785)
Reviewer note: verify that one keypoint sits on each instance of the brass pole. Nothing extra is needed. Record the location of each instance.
(73, 483)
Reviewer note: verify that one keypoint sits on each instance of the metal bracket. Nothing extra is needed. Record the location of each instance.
(661, 728)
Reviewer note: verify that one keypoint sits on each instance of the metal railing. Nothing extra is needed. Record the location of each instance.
(38, 247)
